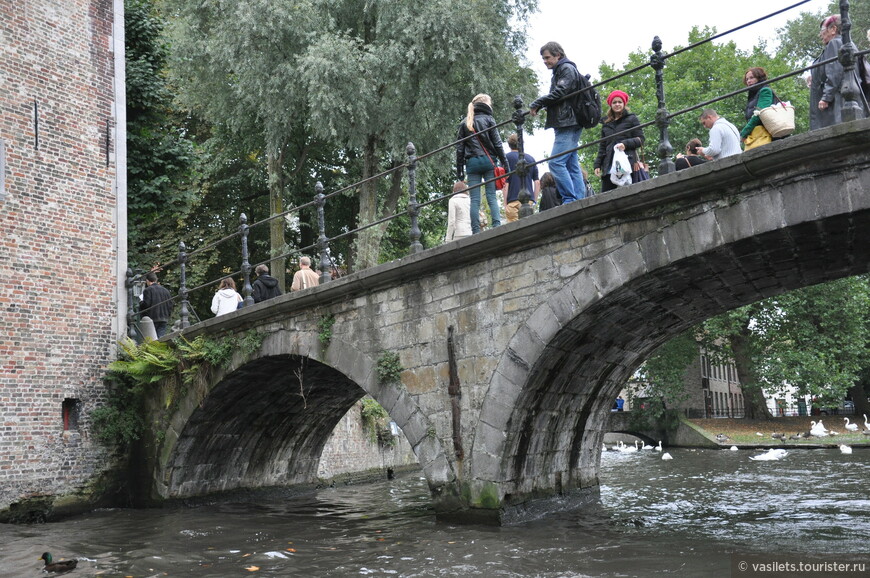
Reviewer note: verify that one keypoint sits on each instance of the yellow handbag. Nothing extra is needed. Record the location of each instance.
(759, 136)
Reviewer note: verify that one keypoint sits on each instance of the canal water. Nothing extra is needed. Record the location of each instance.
(691, 516)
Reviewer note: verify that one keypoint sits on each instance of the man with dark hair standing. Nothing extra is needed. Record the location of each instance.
(565, 168)
(156, 303)
(266, 286)
(512, 189)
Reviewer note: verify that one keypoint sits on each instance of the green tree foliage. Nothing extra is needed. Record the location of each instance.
(662, 385)
(359, 78)
(816, 339)
(159, 155)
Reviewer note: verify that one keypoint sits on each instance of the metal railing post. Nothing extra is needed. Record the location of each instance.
(657, 62)
(182, 289)
(853, 109)
(413, 208)
(246, 264)
(524, 196)
(322, 241)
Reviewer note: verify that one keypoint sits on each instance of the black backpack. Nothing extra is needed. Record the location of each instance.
(586, 104)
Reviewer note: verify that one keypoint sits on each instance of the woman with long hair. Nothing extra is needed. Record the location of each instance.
(550, 196)
(226, 300)
(619, 128)
(478, 147)
(758, 97)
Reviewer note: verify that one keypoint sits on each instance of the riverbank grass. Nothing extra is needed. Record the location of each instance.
(743, 432)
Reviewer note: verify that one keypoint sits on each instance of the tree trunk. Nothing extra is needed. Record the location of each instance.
(369, 241)
(859, 398)
(753, 397)
(275, 164)
(367, 245)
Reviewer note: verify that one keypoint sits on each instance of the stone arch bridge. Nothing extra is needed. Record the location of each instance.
(549, 317)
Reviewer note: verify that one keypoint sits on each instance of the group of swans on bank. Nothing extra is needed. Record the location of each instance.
(625, 449)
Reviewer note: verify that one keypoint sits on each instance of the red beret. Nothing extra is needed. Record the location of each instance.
(617, 93)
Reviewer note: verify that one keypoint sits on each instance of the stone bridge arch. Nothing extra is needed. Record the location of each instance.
(265, 419)
(545, 412)
(550, 315)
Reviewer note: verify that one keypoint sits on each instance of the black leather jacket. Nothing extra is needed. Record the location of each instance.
(484, 125)
(566, 79)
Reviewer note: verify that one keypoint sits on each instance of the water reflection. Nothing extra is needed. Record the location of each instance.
(682, 517)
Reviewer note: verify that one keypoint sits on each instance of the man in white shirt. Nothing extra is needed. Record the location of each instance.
(724, 136)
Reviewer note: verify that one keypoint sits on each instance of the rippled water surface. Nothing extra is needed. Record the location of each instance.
(683, 517)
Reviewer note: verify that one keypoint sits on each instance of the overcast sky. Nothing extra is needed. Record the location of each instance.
(630, 25)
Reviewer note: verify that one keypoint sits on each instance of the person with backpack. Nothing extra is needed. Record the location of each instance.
(561, 117)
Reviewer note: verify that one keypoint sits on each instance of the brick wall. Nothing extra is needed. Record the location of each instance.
(59, 238)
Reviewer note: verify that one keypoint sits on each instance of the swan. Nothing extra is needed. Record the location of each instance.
(866, 424)
(658, 448)
(818, 429)
(733, 448)
(851, 426)
(770, 455)
(844, 449)
(646, 446)
(667, 456)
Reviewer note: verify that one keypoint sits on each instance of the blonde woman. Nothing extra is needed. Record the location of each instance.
(476, 156)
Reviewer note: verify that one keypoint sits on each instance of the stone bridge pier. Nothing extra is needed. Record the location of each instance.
(550, 316)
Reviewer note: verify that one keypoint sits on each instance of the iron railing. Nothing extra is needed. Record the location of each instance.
(852, 110)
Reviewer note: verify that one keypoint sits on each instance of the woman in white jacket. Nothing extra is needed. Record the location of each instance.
(459, 213)
(226, 299)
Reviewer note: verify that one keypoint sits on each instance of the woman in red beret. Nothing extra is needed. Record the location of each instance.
(621, 128)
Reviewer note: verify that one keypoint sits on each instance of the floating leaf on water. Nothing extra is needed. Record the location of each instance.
(291, 549)
(252, 568)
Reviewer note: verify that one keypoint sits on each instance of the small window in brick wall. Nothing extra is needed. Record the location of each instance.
(70, 414)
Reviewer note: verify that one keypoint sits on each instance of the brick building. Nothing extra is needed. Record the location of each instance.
(62, 237)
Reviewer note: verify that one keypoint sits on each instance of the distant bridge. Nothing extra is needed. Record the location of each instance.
(550, 315)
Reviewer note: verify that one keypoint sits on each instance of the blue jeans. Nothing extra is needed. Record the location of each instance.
(566, 168)
(480, 169)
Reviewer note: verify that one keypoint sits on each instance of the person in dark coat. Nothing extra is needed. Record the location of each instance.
(619, 127)
(549, 194)
(692, 158)
(266, 286)
(826, 100)
(156, 304)
(563, 121)
(477, 155)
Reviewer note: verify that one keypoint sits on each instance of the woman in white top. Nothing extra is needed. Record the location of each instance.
(226, 299)
(459, 213)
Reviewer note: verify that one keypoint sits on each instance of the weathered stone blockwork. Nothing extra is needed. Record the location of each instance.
(351, 455)
(551, 315)
(59, 244)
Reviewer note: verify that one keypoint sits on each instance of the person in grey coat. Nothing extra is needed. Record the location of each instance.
(826, 101)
